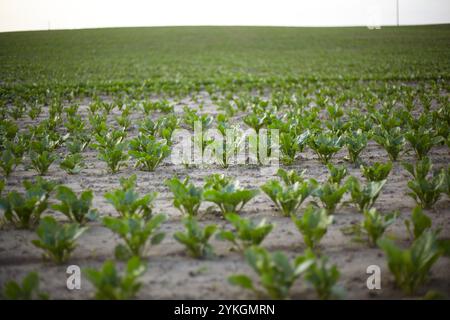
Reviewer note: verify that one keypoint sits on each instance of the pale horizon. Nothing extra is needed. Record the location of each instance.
(28, 15)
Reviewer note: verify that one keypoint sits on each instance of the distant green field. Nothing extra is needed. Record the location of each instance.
(184, 58)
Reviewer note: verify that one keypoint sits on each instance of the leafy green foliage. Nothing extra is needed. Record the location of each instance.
(276, 273)
(148, 152)
(422, 140)
(337, 173)
(322, 276)
(356, 142)
(187, 197)
(425, 191)
(291, 144)
(111, 149)
(325, 145)
(8, 161)
(27, 290)
(372, 227)
(127, 201)
(57, 240)
(330, 194)
(377, 172)
(110, 285)
(24, 211)
(313, 224)
(391, 140)
(411, 266)
(136, 233)
(254, 121)
(288, 198)
(364, 197)
(290, 177)
(418, 223)
(196, 238)
(77, 209)
(246, 231)
(72, 163)
(42, 161)
(229, 196)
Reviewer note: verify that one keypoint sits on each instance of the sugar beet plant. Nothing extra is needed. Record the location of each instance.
(322, 276)
(372, 227)
(228, 195)
(57, 240)
(392, 140)
(246, 232)
(77, 209)
(426, 191)
(187, 197)
(288, 198)
(418, 223)
(325, 145)
(330, 195)
(128, 202)
(356, 142)
(72, 163)
(312, 224)
(364, 197)
(137, 233)
(28, 289)
(111, 285)
(276, 273)
(111, 149)
(148, 151)
(24, 210)
(196, 239)
(377, 171)
(411, 266)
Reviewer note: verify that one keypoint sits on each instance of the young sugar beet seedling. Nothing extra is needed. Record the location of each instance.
(291, 177)
(391, 140)
(325, 145)
(228, 195)
(187, 197)
(312, 224)
(288, 198)
(337, 173)
(291, 144)
(356, 142)
(136, 232)
(72, 163)
(57, 240)
(111, 149)
(127, 201)
(196, 238)
(422, 140)
(425, 191)
(8, 161)
(372, 227)
(27, 290)
(411, 266)
(377, 172)
(41, 161)
(76, 209)
(364, 197)
(276, 273)
(110, 285)
(148, 152)
(322, 276)
(24, 211)
(418, 223)
(330, 194)
(246, 232)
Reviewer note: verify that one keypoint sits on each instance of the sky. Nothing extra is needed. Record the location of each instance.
(19, 15)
